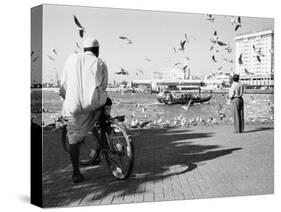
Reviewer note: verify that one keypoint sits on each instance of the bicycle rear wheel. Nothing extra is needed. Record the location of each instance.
(89, 151)
(120, 157)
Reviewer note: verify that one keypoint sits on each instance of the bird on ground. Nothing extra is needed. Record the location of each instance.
(80, 28)
(186, 106)
(240, 61)
(122, 72)
(210, 17)
(215, 34)
(144, 123)
(142, 106)
(135, 123)
(126, 39)
(270, 51)
(214, 58)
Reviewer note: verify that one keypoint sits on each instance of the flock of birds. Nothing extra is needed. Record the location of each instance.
(217, 45)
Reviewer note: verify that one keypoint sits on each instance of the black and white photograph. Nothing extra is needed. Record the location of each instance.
(134, 106)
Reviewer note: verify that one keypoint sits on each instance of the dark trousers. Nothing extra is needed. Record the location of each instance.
(238, 114)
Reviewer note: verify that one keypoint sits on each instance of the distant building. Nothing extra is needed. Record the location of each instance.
(217, 80)
(171, 74)
(253, 72)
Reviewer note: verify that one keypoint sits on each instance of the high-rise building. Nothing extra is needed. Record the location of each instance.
(254, 58)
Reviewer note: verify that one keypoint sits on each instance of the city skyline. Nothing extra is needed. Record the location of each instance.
(154, 36)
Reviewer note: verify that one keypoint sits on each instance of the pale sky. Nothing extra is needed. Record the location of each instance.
(154, 35)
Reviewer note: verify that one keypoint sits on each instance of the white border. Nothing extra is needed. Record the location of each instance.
(15, 101)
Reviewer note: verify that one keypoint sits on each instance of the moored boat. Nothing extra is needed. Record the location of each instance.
(181, 97)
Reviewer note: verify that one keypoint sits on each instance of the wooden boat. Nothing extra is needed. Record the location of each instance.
(180, 97)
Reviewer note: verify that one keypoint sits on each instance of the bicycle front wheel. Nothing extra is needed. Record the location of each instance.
(120, 157)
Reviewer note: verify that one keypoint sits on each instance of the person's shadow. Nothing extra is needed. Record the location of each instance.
(156, 151)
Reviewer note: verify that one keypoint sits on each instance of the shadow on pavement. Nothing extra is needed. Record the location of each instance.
(260, 129)
(159, 154)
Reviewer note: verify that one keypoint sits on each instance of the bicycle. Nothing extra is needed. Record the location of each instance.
(112, 142)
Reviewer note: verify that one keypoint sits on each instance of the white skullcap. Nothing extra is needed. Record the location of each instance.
(91, 42)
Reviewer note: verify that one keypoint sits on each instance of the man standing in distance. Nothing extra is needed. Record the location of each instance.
(235, 94)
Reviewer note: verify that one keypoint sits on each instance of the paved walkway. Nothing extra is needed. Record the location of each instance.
(198, 162)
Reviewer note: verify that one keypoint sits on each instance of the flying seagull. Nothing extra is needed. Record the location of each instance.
(258, 52)
(210, 17)
(216, 37)
(258, 58)
(227, 60)
(81, 29)
(78, 46)
(186, 38)
(141, 71)
(55, 52)
(126, 39)
(247, 72)
(238, 23)
(182, 43)
(220, 43)
(36, 58)
(228, 49)
(148, 59)
(122, 72)
(240, 59)
(51, 58)
(214, 59)
(186, 106)
(183, 68)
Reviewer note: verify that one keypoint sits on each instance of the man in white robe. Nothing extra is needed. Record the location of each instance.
(84, 81)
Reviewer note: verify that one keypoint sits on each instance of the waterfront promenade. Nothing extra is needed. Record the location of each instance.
(170, 164)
